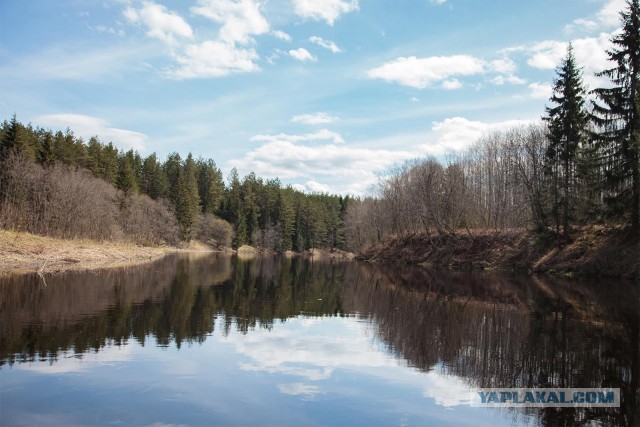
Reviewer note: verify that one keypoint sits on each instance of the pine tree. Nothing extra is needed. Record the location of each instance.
(286, 218)
(567, 122)
(154, 180)
(184, 210)
(94, 157)
(15, 138)
(192, 186)
(46, 155)
(210, 186)
(126, 175)
(617, 118)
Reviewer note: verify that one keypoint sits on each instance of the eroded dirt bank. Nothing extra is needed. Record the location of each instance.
(600, 251)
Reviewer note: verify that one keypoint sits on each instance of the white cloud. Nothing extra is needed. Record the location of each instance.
(160, 23)
(437, 2)
(609, 15)
(446, 390)
(547, 54)
(331, 163)
(590, 54)
(281, 35)
(456, 134)
(299, 389)
(317, 187)
(540, 90)
(504, 66)
(322, 134)
(326, 10)
(88, 126)
(511, 79)
(302, 54)
(327, 44)
(239, 19)
(314, 119)
(607, 18)
(451, 84)
(422, 72)
(213, 59)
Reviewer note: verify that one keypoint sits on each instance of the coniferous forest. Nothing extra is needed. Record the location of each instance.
(579, 166)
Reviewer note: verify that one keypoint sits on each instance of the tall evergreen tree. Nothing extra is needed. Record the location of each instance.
(192, 185)
(617, 118)
(210, 186)
(46, 155)
(126, 174)
(567, 122)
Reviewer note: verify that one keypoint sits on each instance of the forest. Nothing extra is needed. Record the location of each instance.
(59, 185)
(579, 166)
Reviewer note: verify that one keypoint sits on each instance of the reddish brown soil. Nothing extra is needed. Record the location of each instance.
(597, 250)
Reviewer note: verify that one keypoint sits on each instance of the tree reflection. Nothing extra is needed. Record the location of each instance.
(493, 330)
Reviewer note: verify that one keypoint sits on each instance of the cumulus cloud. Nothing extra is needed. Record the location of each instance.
(324, 10)
(324, 166)
(281, 35)
(314, 119)
(606, 18)
(213, 59)
(161, 23)
(456, 134)
(316, 187)
(540, 90)
(302, 54)
(590, 54)
(226, 54)
(88, 126)
(327, 44)
(423, 72)
(239, 19)
(451, 84)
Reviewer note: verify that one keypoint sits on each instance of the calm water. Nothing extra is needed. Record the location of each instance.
(217, 340)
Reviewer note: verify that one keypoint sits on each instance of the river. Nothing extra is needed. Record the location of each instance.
(212, 339)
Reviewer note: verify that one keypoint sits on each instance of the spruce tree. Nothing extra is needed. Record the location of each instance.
(567, 122)
(617, 118)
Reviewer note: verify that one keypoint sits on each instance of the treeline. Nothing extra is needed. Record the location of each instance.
(55, 183)
(580, 165)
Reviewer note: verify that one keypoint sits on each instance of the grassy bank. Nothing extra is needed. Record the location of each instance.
(594, 251)
(24, 252)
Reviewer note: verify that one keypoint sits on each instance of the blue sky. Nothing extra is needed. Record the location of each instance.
(324, 94)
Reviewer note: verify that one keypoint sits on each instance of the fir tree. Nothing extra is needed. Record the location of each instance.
(617, 118)
(567, 122)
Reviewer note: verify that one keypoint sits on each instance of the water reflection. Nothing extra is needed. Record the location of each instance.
(459, 330)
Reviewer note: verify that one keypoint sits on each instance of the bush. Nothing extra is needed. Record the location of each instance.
(214, 231)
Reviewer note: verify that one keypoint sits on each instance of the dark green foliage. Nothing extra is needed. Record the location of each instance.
(567, 122)
(16, 137)
(127, 181)
(261, 213)
(617, 117)
(153, 179)
(210, 185)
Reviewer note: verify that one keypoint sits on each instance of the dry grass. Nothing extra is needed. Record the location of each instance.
(24, 252)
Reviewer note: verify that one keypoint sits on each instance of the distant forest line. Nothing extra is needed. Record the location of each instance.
(579, 166)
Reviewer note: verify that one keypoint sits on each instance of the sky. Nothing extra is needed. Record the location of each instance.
(326, 95)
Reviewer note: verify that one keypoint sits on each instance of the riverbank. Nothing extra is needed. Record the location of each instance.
(594, 251)
(23, 252)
